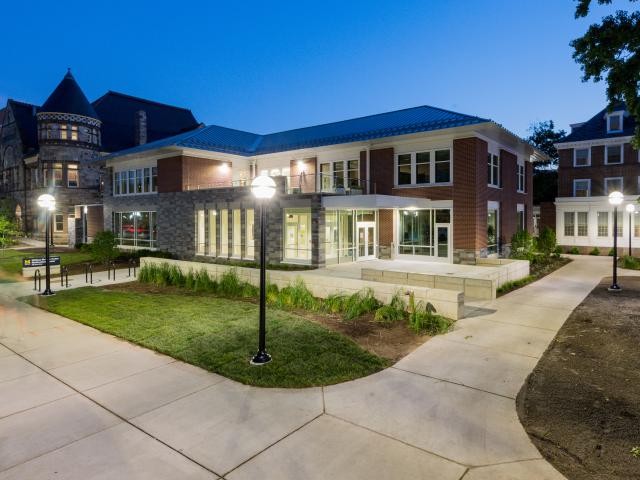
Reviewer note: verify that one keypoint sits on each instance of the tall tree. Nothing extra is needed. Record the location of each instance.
(543, 135)
(611, 49)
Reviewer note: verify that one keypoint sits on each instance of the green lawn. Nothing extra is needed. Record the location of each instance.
(11, 261)
(220, 335)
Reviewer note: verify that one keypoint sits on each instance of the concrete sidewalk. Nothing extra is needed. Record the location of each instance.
(78, 404)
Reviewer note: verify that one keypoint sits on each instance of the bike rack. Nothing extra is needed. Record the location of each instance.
(88, 273)
(132, 263)
(64, 274)
(111, 266)
(37, 277)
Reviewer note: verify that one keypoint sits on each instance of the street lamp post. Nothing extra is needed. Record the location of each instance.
(48, 202)
(630, 208)
(263, 188)
(615, 199)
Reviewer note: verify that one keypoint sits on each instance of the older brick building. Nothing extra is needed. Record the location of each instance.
(597, 158)
(58, 148)
(421, 183)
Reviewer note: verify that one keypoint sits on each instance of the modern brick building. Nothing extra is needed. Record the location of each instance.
(597, 158)
(421, 183)
(58, 148)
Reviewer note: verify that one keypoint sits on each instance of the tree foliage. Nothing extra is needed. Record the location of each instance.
(103, 249)
(611, 50)
(543, 135)
(8, 231)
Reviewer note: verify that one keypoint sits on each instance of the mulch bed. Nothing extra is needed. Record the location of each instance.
(392, 343)
(581, 404)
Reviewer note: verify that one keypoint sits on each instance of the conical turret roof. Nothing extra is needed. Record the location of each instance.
(69, 98)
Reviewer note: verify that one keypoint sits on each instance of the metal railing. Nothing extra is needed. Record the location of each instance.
(132, 264)
(37, 277)
(88, 273)
(111, 267)
(329, 183)
(64, 275)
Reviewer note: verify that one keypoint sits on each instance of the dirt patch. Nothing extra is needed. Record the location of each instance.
(392, 343)
(581, 404)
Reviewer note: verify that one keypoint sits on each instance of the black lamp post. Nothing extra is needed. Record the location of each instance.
(630, 208)
(615, 199)
(48, 202)
(263, 188)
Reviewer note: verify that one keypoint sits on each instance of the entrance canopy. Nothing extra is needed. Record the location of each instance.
(358, 202)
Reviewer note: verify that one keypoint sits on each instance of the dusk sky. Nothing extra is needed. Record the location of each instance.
(270, 66)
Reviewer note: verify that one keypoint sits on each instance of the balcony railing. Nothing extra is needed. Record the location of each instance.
(330, 184)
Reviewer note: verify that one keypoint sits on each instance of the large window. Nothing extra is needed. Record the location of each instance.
(135, 182)
(417, 232)
(424, 168)
(620, 222)
(612, 184)
(576, 224)
(569, 224)
(236, 234)
(582, 157)
(493, 230)
(58, 224)
(57, 174)
(603, 224)
(297, 236)
(224, 233)
(493, 170)
(583, 223)
(135, 229)
(340, 174)
(521, 178)
(213, 230)
(200, 232)
(522, 218)
(613, 154)
(250, 240)
(582, 188)
(72, 175)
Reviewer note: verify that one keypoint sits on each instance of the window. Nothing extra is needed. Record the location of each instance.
(613, 154)
(200, 232)
(353, 173)
(135, 229)
(614, 123)
(522, 218)
(250, 240)
(338, 175)
(423, 167)
(132, 181)
(236, 234)
(72, 175)
(57, 174)
(404, 169)
(326, 182)
(582, 157)
(443, 166)
(146, 186)
(224, 233)
(583, 225)
(603, 224)
(116, 183)
(63, 132)
(569, 224)
(521, 177)
(123, 183)
(415, 232)
(620, 222)
(213, 229)
(135, 182)
(493, 230)
(154, 179)
(139, 180)
(58, 225)
(493, 170)
(636, 225)
(612, 184)
(297, 240)
(582, 188)
(74, 132)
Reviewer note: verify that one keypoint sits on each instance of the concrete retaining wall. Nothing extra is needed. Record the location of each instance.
(448, 303)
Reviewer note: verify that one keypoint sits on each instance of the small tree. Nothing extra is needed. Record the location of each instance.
(522, 245)
(546, 243)
(104, 248)
(8, 231)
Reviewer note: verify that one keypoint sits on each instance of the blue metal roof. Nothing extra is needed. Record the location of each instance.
(400, 122)
(596, 127)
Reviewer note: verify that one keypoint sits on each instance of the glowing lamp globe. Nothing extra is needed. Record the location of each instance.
(263, 187)
(47, 201)
(630, 208)
(616, 198)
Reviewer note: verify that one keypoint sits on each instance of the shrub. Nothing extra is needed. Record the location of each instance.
(546, 242)
(296, 295)
(557, 251)
(522, 245)
(334, 303)
(229, 284)
(204, 283)
(595, 251)
(630, 262)
(104, 248)
(360, 303)
(611, 252)
(387, 315)
(574, 251)
(423, 318)
(8, 231)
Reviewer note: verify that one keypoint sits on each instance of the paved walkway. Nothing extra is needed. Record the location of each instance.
(79, 404)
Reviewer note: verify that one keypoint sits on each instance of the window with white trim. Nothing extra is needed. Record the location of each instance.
(58, 224)
(614, 122)
(72, 175)
(582, 223)
(135, 182)
(613, 154)
(430, 167)
(581, 157)
(521, 177)
(522, 218)
(569, 224)
(582, 187)
(493, 170)
(612, 184)
(603, 224)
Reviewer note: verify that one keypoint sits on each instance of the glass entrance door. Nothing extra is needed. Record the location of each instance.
(442, 238)
(366, 247)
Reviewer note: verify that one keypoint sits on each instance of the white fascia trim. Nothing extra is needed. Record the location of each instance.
(586, 201)
(596, 142)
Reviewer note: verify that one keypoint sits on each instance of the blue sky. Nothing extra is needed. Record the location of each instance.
(269, 66)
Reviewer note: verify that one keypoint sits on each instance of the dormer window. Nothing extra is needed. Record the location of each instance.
(614, 122)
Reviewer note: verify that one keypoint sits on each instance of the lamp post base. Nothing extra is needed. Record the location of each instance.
(260, 358)
(615, 288)
(47, 292)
